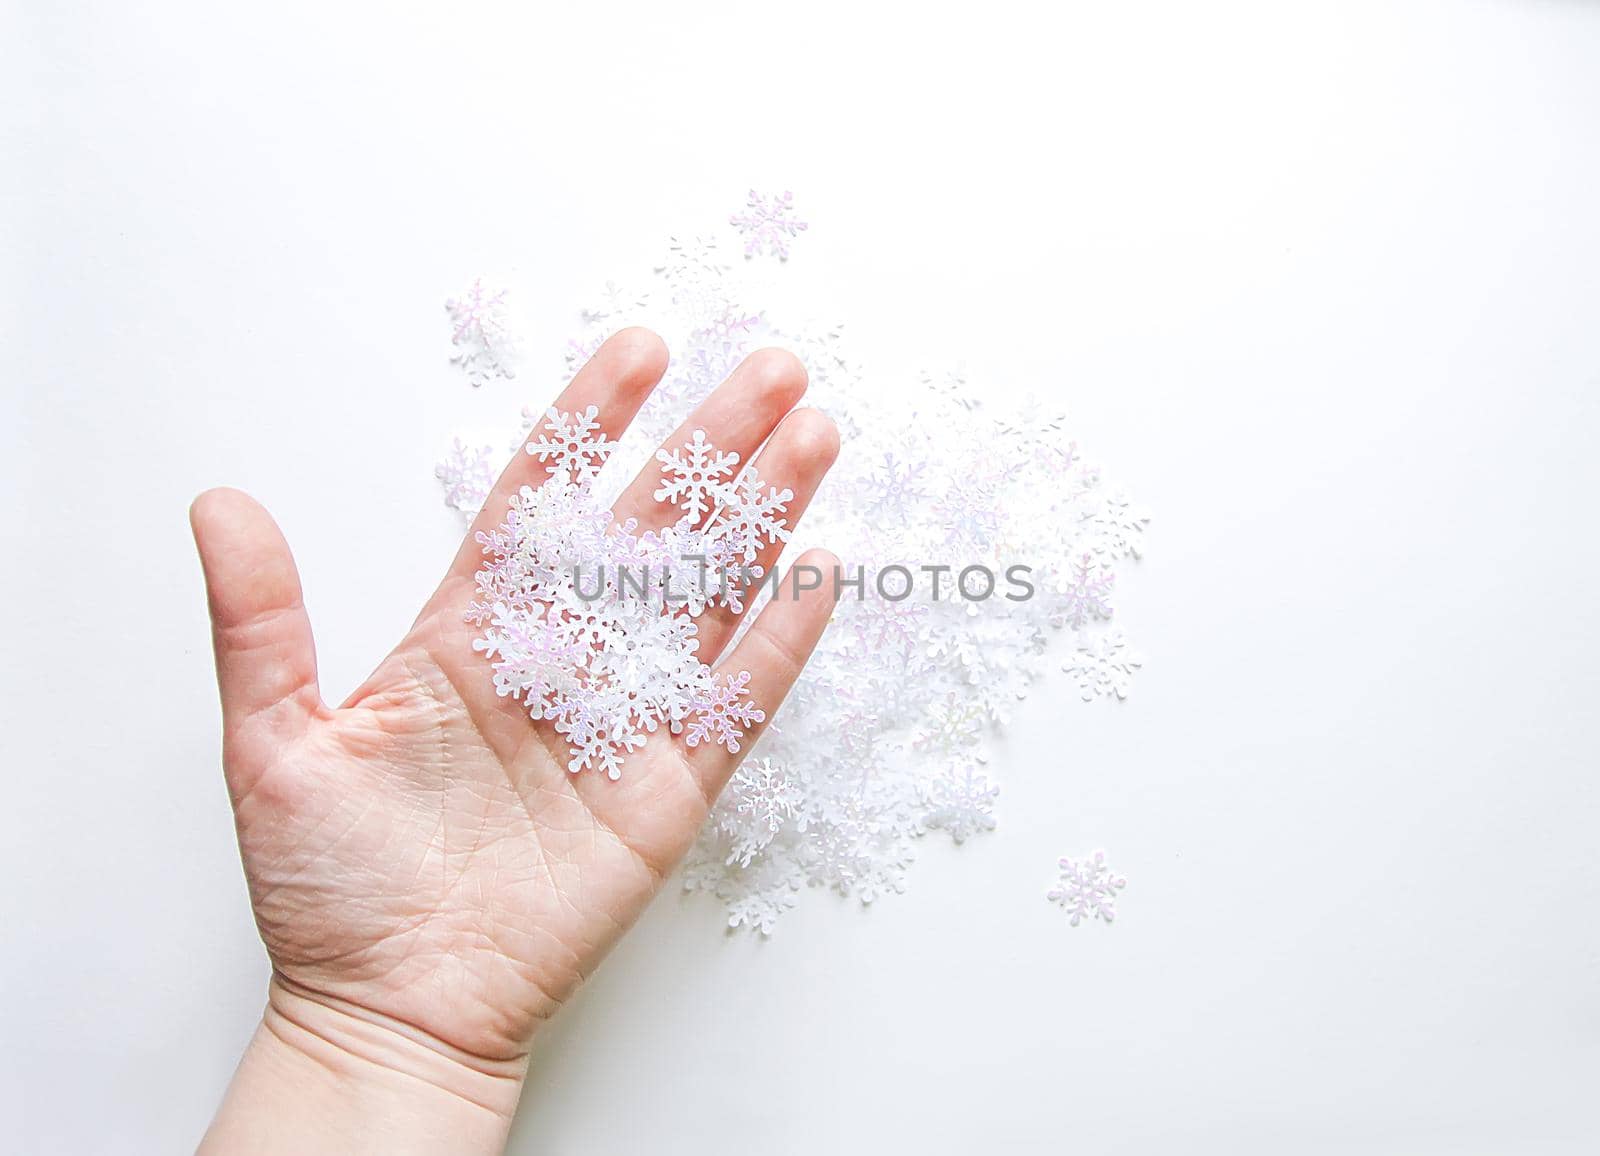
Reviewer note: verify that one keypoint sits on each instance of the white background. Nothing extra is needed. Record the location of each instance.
(1318, 282)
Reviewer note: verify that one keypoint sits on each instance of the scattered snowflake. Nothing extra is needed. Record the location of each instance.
(961, 802)
(468, 475)
(957, 724)
(615, 302)
(775, 880)
(1087, 890)
(1087, 592)
(896, 489)
(768, 223)
(757, 804)
(1117, 526)
(485, 347)
(1103, 665)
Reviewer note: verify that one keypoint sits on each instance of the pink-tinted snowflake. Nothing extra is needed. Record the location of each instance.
(534, 651)
(768, 223)
(1086, 593)
(484, 344)
(468, 476)
(1087, 889)
(720, 716)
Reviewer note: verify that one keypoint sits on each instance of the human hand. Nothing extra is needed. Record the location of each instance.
(428, 878)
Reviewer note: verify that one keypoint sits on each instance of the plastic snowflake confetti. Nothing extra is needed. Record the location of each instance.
(468, 476)
(485, 347)
(885, 739)
(614, 661)
(754, 511)
(755, 806)
(1103, 665)
(1086, 594)
(720, 715)
(1087, 889)
(574, 445)
(768, 223)
(694, 475)
(960, 801)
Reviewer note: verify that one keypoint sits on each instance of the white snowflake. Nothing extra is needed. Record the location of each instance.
(575, 445)
(895, 489)
(768, 223)
(862, 845)
(753, 511)
(696, 476)
(1086, 593)
(468, 476)
(1104, 665)
(957, 724)
(695, 274)
(485, 347)
(773, 889)
(1087, 890)
(720, 715)
(1117, 526)
(758, 803)
(960, 801)
(616, 304)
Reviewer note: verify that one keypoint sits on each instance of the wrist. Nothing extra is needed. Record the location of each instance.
(324, 1074)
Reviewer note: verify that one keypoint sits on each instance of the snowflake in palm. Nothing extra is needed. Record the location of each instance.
(720, 714)
(753, 511)
(575, 446)
(768, 223)
(696, 475)
(608, 662)
(541, 646)
(1087, 889)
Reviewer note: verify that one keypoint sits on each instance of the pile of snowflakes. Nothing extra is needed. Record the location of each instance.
(591, 623)
(886, 737)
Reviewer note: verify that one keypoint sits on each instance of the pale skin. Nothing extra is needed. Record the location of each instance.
(430, 881)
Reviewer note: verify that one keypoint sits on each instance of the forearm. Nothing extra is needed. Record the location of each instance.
(321, 1076)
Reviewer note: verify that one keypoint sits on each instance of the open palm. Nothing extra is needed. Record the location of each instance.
(420, 854)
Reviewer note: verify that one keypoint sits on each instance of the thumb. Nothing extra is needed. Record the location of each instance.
(266, 663)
